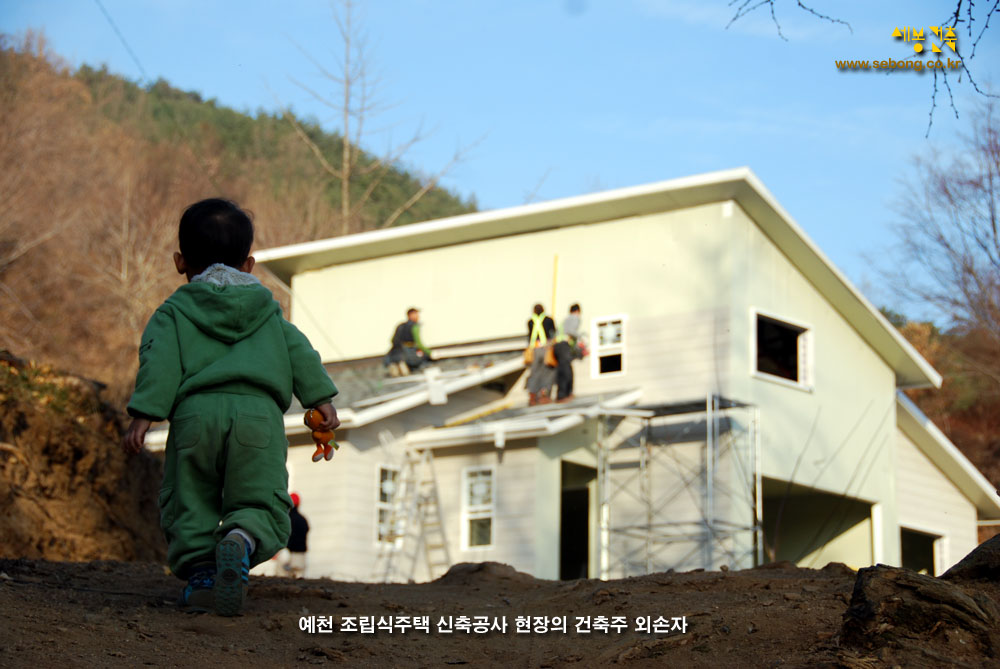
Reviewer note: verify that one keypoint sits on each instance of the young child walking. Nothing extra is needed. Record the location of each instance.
(221, 363)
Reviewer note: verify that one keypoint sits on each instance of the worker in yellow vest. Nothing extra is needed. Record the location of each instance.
(541, 336)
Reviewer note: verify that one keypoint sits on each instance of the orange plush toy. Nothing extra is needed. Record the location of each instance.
(325, 444)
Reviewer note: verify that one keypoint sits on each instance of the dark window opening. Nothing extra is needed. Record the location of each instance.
(611, 363)
(778, 348)
(917, 551)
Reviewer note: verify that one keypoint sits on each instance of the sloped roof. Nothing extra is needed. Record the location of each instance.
(365, 382)
(945, 456)
(740, 185)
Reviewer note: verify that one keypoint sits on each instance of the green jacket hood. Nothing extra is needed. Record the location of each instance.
(226, 313)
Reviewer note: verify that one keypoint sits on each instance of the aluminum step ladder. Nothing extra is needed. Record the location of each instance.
(414, 520)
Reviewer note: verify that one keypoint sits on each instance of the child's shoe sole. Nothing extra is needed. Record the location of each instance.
(231, 577)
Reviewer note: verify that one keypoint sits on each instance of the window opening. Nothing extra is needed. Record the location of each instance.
(782, 349)
(479, 507)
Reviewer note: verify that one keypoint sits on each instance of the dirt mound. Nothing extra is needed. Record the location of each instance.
(897, 615)
(468, 573)
(66, 490)
(982, 564)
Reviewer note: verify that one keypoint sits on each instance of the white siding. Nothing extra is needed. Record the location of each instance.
(838, 435)
(930, 503)
(676, 357)
(654, 268)
(338, 499)
(513, 485)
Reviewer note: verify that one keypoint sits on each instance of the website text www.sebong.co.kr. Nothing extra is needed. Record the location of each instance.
(892, 64)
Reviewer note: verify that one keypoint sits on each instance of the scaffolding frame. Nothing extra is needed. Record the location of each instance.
(731, 443)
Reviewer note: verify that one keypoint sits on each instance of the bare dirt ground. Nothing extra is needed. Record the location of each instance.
(82, 584)
(122, 614)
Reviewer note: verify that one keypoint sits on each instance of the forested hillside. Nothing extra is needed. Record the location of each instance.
(94, 173)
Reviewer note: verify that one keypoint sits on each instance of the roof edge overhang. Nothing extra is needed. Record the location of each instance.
(945, 456)
(740, 185)
(286, 261)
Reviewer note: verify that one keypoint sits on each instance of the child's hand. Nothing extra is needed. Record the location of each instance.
(330, 420)
(135, 436)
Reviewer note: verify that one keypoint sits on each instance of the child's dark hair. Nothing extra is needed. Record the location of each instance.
(215, 231)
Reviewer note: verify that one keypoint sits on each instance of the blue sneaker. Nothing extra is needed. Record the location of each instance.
(197, 595)
(232, 561)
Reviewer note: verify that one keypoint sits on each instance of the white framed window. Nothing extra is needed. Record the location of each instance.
(781, 350)
(478, 504)
(607, 357)
(385, 501)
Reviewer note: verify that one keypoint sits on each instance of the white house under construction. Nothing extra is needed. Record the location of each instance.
(741, 402)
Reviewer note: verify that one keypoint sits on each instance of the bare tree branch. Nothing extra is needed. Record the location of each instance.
(532, 194)
(316, 151)
(744, 7)
(353, 97)
(430, 183)
(824, 16)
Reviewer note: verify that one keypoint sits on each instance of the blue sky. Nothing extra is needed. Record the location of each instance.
(566, 97)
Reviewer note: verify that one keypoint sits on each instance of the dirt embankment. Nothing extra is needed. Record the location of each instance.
(66, 490)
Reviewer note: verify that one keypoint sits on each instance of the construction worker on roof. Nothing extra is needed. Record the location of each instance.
(567, 350)
(408, 352)
(541, 335)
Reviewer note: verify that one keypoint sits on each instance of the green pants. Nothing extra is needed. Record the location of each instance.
(225, 468)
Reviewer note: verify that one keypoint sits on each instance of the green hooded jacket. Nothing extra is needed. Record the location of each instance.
(227, 339)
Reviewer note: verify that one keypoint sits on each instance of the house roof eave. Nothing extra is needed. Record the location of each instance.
(498, 432)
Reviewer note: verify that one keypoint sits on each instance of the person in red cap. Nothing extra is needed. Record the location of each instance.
(296, 566)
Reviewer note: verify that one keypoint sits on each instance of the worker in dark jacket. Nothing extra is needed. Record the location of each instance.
(408, 352)
(296, 566)
(566, 351)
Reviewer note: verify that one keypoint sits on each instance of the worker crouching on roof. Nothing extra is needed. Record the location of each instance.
(541, 335)
(408, 352)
